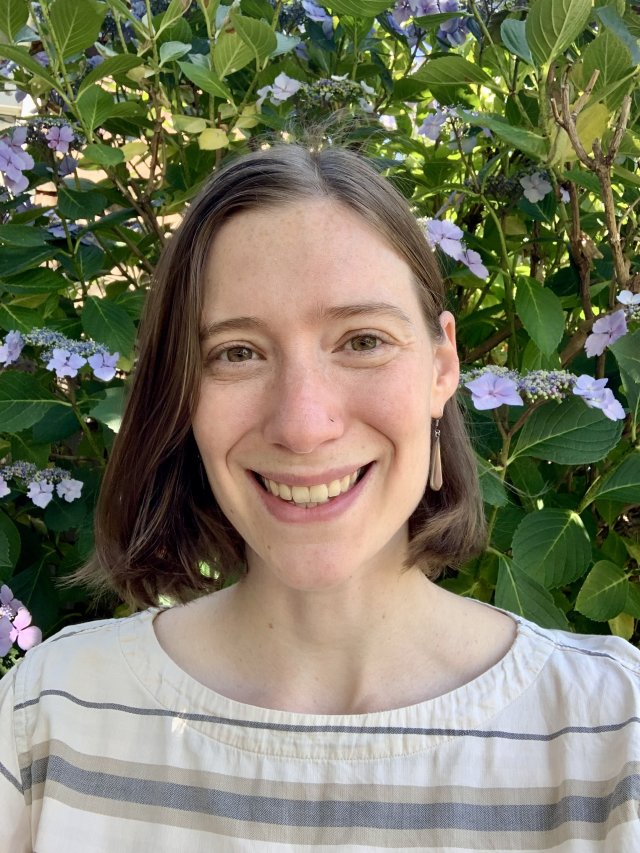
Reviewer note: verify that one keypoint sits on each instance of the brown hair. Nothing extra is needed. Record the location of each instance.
(157, 521)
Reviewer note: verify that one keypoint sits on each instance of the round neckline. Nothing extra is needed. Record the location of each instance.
(290, 734)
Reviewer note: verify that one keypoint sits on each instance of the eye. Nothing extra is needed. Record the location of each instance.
(236, 354)
(364, 342)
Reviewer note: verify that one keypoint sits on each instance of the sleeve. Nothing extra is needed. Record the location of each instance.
(15, 832)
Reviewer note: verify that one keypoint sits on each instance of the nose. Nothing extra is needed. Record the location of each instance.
(305, 409)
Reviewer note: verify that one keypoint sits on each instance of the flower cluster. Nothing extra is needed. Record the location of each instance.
(40, 483)
(535, 186)
(14, 161)
(15, 624)
(59, 137)
(495, 386)
(448, 237)
(333, 90)
(631, 302)
(451, 33)
(61, 354)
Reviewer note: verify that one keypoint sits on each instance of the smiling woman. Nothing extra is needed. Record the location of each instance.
(293, 423)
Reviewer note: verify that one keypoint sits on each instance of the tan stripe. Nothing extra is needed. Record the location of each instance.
(323, 791)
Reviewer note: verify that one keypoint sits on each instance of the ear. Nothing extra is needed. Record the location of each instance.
(446, 367)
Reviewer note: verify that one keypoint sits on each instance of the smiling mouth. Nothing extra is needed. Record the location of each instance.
(310, 497)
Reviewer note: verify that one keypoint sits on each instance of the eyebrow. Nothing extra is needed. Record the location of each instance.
(335, 312)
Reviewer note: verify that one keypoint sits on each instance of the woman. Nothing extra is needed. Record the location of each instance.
(292, 420)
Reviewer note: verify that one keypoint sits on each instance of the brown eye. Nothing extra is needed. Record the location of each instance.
(236, 354)
(363, 343)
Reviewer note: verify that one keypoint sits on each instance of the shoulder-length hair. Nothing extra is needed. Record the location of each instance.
(158, 528)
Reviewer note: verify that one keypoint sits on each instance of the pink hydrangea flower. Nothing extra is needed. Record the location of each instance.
(23, 632)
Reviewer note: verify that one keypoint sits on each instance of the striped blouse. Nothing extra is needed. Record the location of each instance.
(107, 746)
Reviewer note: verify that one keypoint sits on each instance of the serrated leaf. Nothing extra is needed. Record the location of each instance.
(603, 595)
(568, 433)
(110, 67)
(8, 528)
(552, 546)
(357, 8)
(612, 59)
(231, 53)
(103, 155)
(445, 75)
(621, 485)
(5, 557)
(610, 17)
(109, 324)
(16, 317)
(60, 515)
(23, 235)
(76, 25)
(14, 14)
(109, 410)
(523, 140)
(491, 486)
(23, 401)
(519, 593)
(16, 260)
(213, 138)
(205, 80)
(627, 353)
(209, 9)
(171, 50)
(255, 34)
(73, 204)
(541, 313)
(94, 106)
(23, 58)
(515, 39)
(175, 10)
(552, 25)
(41, 280)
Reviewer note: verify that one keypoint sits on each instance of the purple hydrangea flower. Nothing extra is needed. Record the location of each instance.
(67, 166)
(535, 186)
(490, 391)
(4, 488)
(626, 297)
(42, 58)
(319, 15)
(473, 261)
(589, 387)
(611, 407)
(424, 7)
(597, 396)
(5, 635)
(431, 127)
(401, 13)
(103, 365)
(446, 235)
(23, 632)
(40, 492)
(11, 348)
(606, 331)
(59, 138)
(69, 489)
(65, 363)
(564, 195)
(9, 605)
(13, 161)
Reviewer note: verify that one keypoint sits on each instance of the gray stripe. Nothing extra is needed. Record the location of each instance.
(11, 778)
(364, 730)
(568, 647)
(334, 813)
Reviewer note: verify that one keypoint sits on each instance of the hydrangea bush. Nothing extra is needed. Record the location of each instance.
(511, 128)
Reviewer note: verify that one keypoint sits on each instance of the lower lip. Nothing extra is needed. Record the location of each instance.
(289, 512)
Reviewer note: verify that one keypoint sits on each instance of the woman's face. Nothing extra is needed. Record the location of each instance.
(319, 384)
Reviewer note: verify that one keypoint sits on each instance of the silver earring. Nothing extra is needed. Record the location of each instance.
(435, 463)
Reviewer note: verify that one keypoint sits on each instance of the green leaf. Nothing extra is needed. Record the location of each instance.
(8, 528)
(255, 34)
(23, 401)
(14, 260)
(14, 14)
(94, 106)
(569, 433)
(621, 485)
(523, 140)
(75, 25)
(612, 21)
(612, 58)
(109, 324)
(23, 235)
(603, 595)
(109, 410)
(24, 448)
(357, 8)
(515, 39)
(175, 11)
(56, 425)
(445, 75)
(171, 50)
(519, 593)
(73, 204)
(17, 317)
(60, 515)
(231, 53)
(23, 58)
(113, 66)
(552, 546)
(626, 351)
(541, 313)
(552, 25)
(491, 486)
(5, 558)
(209, 9)
(41, 280)
(103, 155)
(205, 80)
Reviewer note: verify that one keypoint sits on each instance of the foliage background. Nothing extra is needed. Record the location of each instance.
(132, 104)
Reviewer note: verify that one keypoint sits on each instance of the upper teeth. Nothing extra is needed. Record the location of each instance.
(311, 496)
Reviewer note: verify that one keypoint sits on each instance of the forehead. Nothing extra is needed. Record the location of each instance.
(304, 254)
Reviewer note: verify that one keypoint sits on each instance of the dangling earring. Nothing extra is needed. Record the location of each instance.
(435, 463)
